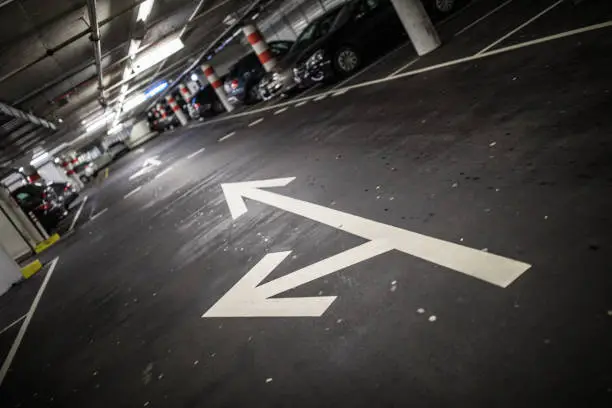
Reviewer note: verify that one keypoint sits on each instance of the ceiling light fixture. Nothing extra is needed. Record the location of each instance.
(157, 54)
(144, 10)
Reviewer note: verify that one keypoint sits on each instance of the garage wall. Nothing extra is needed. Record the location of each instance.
(10, 239)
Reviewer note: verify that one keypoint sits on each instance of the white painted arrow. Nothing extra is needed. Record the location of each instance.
(246, 298)
(147, 166)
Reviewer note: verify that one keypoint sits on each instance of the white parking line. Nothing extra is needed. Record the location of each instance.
(372, 65)
(226, 136)
(256, 122)
(13, 324)
(341, 92)
(93, 217)
(163, 172)
(320, 97)
(13, 351)
(397, 71)
(519, 28)
(490, 13)
(278, 112)
(302, 103)
(78, 214)
(194, 154)
(131, 193)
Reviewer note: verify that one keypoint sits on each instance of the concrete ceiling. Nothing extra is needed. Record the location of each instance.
(48, 66)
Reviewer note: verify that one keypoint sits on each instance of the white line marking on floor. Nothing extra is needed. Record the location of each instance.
(194, 154)
(13, 324)
(372, 65)
(320, 97)
(312, 89)
(397, 71)
(131, 193)
(256, 122)
(490, 13)
(93, 217)
(427, 69)
(302, 103)
(78, 214)
(278, 112)
(341, 92)
(226, 136)
(163, 172)
(519, 28)
(11, 354)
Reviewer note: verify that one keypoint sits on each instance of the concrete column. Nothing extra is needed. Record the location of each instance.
(418, 25)
(184, 93)
(161, 110)
(20, 219)
(217, 85)
(9, 271)
(260, 46)
(177, 110)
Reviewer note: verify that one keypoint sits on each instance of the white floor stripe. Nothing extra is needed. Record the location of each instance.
(320, 97)
(13, 324)
(256, 122)
(519, 28)
(341, 92)
(13, 351)
(397, 71)
(226, 136)
(278, 112)
(302, 103)
(194, 154)
(78, 214)
(131, 193)
(93, 217)
(490, 13)
(164, 172)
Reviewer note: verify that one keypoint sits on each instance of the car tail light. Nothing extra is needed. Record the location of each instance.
(67, 188)
(44, 206)
(196, 105)
(234, 84)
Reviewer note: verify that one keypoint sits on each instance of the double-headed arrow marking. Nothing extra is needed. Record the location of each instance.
(248, 298)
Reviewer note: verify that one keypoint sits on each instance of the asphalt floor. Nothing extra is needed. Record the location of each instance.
(505, 155)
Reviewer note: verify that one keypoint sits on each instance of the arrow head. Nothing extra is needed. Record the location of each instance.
(235, 192)
(248, 298)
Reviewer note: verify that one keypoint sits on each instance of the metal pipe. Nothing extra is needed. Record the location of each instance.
(95, 39)
(69, 41)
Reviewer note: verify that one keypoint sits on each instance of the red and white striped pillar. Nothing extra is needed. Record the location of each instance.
(217, 85)
(184, 93)
(177, 110)
(161, 110)
(260, 47)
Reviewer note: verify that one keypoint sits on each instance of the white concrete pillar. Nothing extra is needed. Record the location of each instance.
(260, 46)
(418, 25)
(184, 93)
(9, 271)
(161, 110)
(217, 85)
(177, 110)
(20, 218)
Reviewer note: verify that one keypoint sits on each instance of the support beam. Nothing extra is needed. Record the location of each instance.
(418, 25)
(95, 40)
(16, 113)
(217, 85)
(260, 46)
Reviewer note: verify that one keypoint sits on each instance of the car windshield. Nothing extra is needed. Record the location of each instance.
(316, 30)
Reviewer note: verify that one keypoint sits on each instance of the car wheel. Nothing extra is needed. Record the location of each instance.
(346, 60)
(444, 6)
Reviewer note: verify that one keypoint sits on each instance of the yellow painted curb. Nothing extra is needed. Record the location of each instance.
(46, 243)
(30, 269)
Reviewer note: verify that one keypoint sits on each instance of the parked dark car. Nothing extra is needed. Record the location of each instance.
(338, 43)
(206, 103)
(65, 192)
(43, 202)
(242, 81)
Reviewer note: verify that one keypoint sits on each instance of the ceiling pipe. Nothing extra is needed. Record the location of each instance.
(95, 39)
(69, 41)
